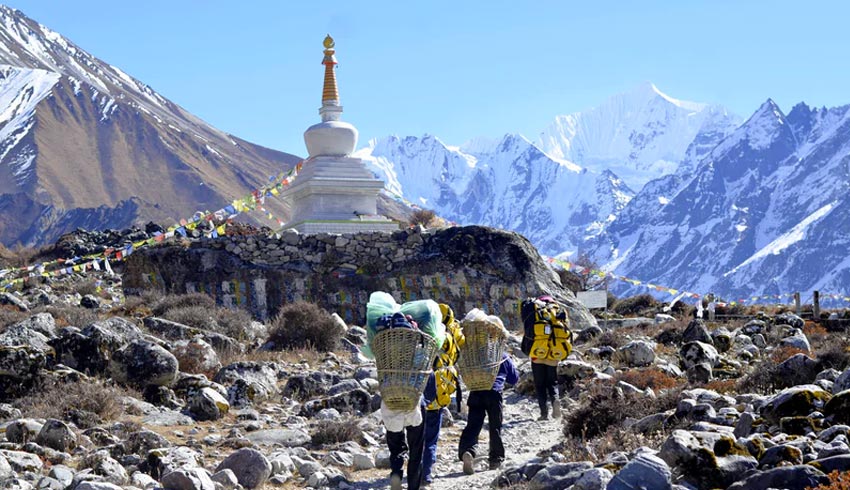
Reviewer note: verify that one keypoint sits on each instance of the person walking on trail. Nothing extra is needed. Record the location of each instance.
(551, 344)
(406, 429)
(489, 403)
(445, 381)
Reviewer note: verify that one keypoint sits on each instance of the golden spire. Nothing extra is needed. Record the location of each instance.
(330, 94)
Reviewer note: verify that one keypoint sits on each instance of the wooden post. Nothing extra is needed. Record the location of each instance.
(797, 307)
(816, 306)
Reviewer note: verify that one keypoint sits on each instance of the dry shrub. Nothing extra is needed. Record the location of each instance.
(87, 402)
(227, 321)
(610, 338)
(302, 325)
(292, 356)
(86, 287)
(10, 315)
(336, 431)
(650, 378)
(596, 449)
(607, 407)
(636, 305)
(232, 322)
(835, 354)
(782, 353)
(422, 217)
(837, 481)
(722, 385)
(70, 315)
(140, 305)
(761, 379)
(173, 301)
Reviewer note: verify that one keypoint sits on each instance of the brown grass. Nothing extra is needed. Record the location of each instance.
(292, 356)
(10, 315)
(336, 431)
(86, 402)
(722, 385)
(604, 407)
(837, 481)
(782, 353)
(301, 325)
(650, 378)
(613, 439)
(70, 315)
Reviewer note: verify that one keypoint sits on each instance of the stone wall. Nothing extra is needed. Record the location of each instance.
(465, 267)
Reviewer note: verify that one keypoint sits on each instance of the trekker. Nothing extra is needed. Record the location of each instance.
(406, 430)
(490, 403)
(445, 384)
(551, 345)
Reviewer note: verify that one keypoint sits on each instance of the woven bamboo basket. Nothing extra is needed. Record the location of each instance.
(481, 354)
(404, 358)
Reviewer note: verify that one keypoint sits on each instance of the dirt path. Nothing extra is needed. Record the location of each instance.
(523, 436)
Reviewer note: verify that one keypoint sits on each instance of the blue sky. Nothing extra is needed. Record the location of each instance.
(458, 69)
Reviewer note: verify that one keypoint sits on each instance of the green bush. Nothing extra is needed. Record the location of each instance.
(302, 325)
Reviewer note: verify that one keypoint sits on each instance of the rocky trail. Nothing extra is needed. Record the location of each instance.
(524, 437)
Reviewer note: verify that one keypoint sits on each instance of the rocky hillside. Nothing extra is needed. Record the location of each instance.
(103, 393)
(82, 142)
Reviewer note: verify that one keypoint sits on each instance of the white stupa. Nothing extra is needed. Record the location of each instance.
(334, 192)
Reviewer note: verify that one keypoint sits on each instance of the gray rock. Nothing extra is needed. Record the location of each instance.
(260, 376)
(42, 323)
(97, 485)
(363, 461)
(842, 382)
(177, 331)
(798, 477)
(188, 479)
(90, 302)
(251, 468)
(696, 331)
(166, 418)
(5, 468)
(344, 386)
(637, 353)
(279, 437)
(798, 341)
(102, 464)
(21, 461)
(593, 479)
(796, 401)
(12, 300)
(142, 480)
(196, 356)
(164, 460)
(226, 478)
(62, 473)
(694, 353)
(57, 435)
(22, 431)
(645, 471)
(48, 483)
(789, 318)
(744, 426)
(796, 370)
(143, 363)
(559, 475)
(354, 401)
(207, 404)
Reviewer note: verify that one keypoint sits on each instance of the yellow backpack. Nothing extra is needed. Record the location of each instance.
(552, 335)
(445, 373)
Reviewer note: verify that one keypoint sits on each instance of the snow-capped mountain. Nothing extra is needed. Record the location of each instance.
(80, 139)
(766, 211)
(509, 184)
(639, 135)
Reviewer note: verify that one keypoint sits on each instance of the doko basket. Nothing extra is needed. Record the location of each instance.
(481, 354)
(404, 358)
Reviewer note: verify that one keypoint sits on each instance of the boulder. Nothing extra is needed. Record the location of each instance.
(251, 468)
(196, 356)
(161, 461)
(19, 369)
(207, 404)
(305, 386)
(838, 407)
(102, 464)
(789, 319)
(799, 477)
(188, 479)
(281, 437)
(261, 376)
(8, 299)
(842, 382)
(354, 401)
(558, 475)
(143, 363)
(797, 340)
(694, 353)
(22, 431)
(637, 353)
(722, 339)
(795, 401)
(57, 435)
(43, 323)
(177, 331)
(796, 370)
(645, 471)
(593, 479)
(696, 331)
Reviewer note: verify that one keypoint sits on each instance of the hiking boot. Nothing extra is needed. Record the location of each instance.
(556, 409)
(468, 462)
(495, 465)
(395, 482)
(543, 416)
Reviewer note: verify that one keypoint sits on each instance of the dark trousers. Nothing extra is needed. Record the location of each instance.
(483, 403)
(409, 450)
(545, 384)
(433, 421)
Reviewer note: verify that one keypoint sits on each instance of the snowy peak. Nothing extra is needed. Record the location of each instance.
(640, 135)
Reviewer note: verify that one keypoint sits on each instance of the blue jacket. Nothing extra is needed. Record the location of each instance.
(507, 374)
(430, 393)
